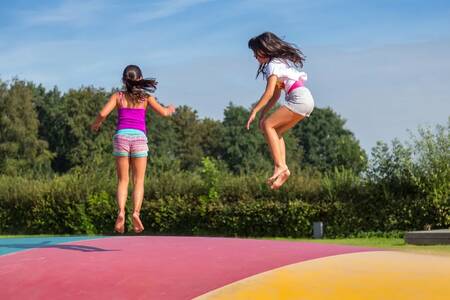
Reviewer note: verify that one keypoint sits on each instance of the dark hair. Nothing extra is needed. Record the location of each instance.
(135, 85)
(271, 46)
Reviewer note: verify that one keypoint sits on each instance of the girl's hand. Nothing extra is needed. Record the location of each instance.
(95, 126)
(106, 110)
(170, 110)
(251, 119)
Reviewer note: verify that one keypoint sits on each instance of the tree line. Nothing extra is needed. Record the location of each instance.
(208, 176)
(45, 131)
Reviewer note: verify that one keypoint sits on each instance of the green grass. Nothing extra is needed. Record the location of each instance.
(397, 244)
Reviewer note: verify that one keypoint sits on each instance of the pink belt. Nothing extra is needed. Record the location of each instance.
(297, 84)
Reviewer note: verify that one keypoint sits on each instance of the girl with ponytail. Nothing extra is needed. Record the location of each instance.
(130, 140)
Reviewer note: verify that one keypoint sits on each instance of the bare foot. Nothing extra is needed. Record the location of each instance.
(120, 223)
(280, 180)
(137, 224)
(276, 173)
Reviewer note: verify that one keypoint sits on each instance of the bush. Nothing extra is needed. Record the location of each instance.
(405, 188)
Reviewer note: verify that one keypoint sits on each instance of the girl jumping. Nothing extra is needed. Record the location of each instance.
(130, 140)
(279, 62)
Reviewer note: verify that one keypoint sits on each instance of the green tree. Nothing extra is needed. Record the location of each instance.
(21, 150)
(49, 107)
(211, 132)
(162, 142)
(392, 166)
(327, 144)
(243, 150)
(247, 150)
(161, 135)
(431, 152)
(69, 127)
(187, 130)
(412, 180)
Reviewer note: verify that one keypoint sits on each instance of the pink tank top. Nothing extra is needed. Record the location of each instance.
(131, 118)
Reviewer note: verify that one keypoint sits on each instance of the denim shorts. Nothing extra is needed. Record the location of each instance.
(131, 143)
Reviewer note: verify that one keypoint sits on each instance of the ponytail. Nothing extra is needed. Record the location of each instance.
(137, 87)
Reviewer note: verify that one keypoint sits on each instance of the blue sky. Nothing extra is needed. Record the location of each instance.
(382, 65)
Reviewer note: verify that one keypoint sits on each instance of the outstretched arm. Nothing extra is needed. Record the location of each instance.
(268, 95)
(159, 109)
(106, 110)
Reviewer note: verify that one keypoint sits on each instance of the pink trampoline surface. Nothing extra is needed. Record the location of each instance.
(147, 267)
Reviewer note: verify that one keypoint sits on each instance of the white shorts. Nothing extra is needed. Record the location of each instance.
(300, 101)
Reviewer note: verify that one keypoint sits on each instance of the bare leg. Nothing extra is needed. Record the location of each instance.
(122, 167)
(282, 148)
(281, 130)
(139, 165)
(281, 118)
(283, 160)
(276, 151)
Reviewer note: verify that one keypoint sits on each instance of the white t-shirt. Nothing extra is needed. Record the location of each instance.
(285, 71)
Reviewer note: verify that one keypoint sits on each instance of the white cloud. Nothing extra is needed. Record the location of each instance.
(163, 9)
(67, 12)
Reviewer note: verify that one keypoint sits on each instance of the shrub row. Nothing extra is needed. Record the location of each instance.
(190, 203)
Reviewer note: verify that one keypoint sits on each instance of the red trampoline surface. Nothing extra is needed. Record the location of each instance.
(147, 267)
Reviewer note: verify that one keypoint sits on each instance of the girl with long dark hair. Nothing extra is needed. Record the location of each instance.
(279, 62)
(130, 140)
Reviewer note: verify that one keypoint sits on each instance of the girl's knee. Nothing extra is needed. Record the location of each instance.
(123, 180)
(267, 126)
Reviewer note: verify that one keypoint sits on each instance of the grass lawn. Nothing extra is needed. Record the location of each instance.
(385, 243)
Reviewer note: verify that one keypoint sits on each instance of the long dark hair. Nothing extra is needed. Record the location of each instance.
(136, 86)
(271, 46)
